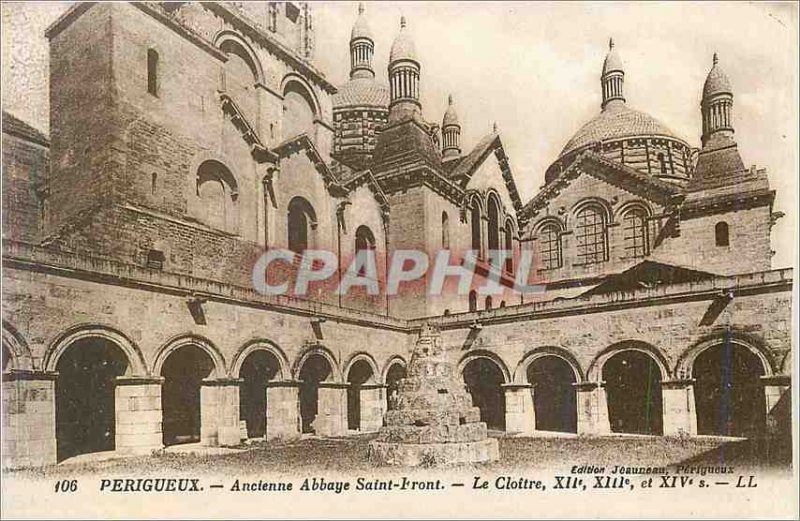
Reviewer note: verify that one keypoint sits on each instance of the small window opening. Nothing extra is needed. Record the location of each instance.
(155, 259)
(152, 72)
(721, 233)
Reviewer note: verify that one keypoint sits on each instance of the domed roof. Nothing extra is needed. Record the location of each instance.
(361, 27)
(450, 116)
(362, 92)
(717, 81)
(612, 62)
(617, 121)
(403, 46)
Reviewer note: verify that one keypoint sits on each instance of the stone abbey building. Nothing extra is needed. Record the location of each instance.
(187, 138)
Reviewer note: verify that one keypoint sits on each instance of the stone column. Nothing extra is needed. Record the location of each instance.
(29, 418)
(137, 404)
(283, 410)
(778, 403)
(373, 406)
(520, 415)
(680, 416)
(219, 412)
(592, 409)
(331, 419)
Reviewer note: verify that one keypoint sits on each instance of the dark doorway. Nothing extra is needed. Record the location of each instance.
(183, 372)
(85, 411)
(257, 369)
(315, 369)
(396, 373)
(633, 391)
(554, 398)
(483, 379)
(360, 372)
(728, 393)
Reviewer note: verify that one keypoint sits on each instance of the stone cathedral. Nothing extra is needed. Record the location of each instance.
(188, 138)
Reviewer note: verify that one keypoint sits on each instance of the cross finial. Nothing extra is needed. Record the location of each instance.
(402, 22)
(610, 43)
(715, 59)
(361, 8)
(494, 127)
(449, 99)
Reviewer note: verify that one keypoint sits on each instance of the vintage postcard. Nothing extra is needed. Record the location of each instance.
(496, 260)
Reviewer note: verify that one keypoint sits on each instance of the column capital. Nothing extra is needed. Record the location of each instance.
(776, 379)
(586, 386)
(27, 374)
(139, 380)
(515, 386)
(334, 385)
(222, 382)
(283, 383)
(677, 384)
(373, 386)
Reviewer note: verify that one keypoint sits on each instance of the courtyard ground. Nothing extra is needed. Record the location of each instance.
(348, 455)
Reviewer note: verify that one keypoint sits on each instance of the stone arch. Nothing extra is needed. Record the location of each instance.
(295, 79)
(684, 366)
(260, 344)
(231, 37)
(488, 355)
(395, 359)
(191, 340)
(322, 351)
(520, 372)
(136, 362)
(637, 204)
(17, 348)
(595, 371)
(597, 202)
(368, 359)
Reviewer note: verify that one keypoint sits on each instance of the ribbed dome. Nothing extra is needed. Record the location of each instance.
(617, 121)
(717, 81)
(362, 92)
(361, 27)
(450, 115)
(403, 46)
(612, 62)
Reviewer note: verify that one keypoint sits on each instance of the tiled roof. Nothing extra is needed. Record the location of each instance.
(17, 127)
(469, 162)
(717, 81)
(362, 92)
(403, 46)
(617, 121)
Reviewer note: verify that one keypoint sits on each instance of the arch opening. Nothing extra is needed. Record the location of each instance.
(315, 370)
(393, 376)
(85, 396)
(729, 397)
(554, 398)
(298, 111)
(359, 374)
(633, 393)
(184, 371)
(258, 368)
(301, 223)
(483, 379)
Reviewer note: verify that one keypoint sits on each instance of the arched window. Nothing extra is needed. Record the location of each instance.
(152, 72)
(473, 300)
(445, 231)
(634, 233)
(298, 111)
(509, 246)
(365, 241)
(475, 221)
(488, 303)
(301, 224)
(721, 233)
(590, 234)
(493, 214)
(240, 76)
(550, 246)
(217, 192)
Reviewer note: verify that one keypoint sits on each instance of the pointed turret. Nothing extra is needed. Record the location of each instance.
(717, 106)
(362, 47)
(613, 77)
(451, 132)
(404, 76)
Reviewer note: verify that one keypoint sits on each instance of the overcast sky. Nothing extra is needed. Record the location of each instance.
(534, 69)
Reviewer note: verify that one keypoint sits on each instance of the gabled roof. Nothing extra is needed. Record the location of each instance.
(16, 127)
(302, 142)
(461, 172)
(609, 171)
(647, 274)
(365, 177)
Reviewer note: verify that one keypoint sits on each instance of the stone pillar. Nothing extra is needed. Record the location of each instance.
(592, 409)
(219, 412)
(331, 419)
(779, 416)
(680, 416)
(29, 419)
(283, 410)
(137, 404)
(373, 406)
(520, 415)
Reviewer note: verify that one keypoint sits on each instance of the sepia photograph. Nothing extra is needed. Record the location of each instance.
(399, 260)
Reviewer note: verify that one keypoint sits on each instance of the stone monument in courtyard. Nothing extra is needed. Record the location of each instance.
(434, 422)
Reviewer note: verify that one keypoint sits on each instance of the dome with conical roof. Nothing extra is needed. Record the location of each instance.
(361, 27)
(450, 115)
(403, 46)
(612, 62)
(717, 81)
